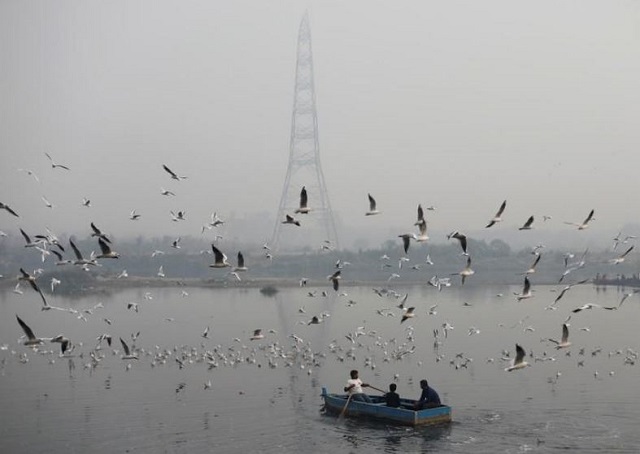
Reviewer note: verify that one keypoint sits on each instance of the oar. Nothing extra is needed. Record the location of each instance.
(378, 389)
(344, 409)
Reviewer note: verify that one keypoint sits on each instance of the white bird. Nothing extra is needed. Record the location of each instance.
(4, 206)
(30, 173)
(532, 268)
(334, 278)
(564, 341)
(406, 240)
(31, 340)
(257, 334)
(420, 215)
(123, 274)
(461, 238)
(241, 266)
(518, 362)
(54, 165)
(160, 272)
(409, 313)
(422, 226)
(54, 283)
(174, 175)
(99, 233)
(166, 192)
(86, 202)
(291, 220)
(107, 253)
(621, 257)
(585, 223)
(179, 216)
(220, 259)
(176, 243)
(127, 353)
(467, 271)
(372, 207)
(527, 225)
(498, 217)
(134, 216)
(303, 208)
(526, 290)
(46, 202)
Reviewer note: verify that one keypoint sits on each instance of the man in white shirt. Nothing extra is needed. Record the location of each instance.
(354, 388)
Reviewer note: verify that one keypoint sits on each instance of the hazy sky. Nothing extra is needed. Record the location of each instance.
(454, 104)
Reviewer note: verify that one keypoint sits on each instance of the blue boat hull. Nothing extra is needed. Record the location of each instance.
(335, 403)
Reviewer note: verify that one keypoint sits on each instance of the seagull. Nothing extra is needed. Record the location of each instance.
(32, 282)
(406, 240)
(86, 202)
(621, 257)
(79, 259)
(291, 220)
(422, 226)
(46, 202)
(31, 340)
(54, 283)
(564, 342)
(585, 307)
(176, 243)
(566, 289)
(527, 225)
(127, 353)
(372, 207)
(498, 217)
(166, 192)
(408, 314)
(28, 241)
(4, 206)
(461, 238)
(467, 271)
(65, 344)
(334, 278)
(241, 266)
(220, 258)
(123, 274)
(526, 290)
(585, 223)
(257, 335)
(30, 172)
(303, 209)
(54, 165)
(160, 272)
(107, 253)
(174, 175)
(156, 252)
(518, 362)
(134, 216)
(133, 306)
(179, 216)
(532, 268)
(420, 215)
(98, 233)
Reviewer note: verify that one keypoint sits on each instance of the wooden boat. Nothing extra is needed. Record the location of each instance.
(405, 415)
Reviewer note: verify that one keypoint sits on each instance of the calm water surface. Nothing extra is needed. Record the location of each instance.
(583, 399)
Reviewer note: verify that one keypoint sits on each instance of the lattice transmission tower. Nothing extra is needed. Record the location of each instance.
(304, 168)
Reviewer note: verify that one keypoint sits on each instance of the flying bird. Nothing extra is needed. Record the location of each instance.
(461, 238)
(127, 353)
(532, 268)
(303, 208)
(98, 233)
(4, 206)
(408, 314)
(174, 175)
(241, 266)
(498, 217)
(372, 207)
(467, 271)
(585, 223)
(564, 341)
(80, 260)
(518, 362)
(31, 340)
(406, 240)
(220, 260)
(334, 278)
(526, 290)
(134, 216)
(527, 225)
(54, 165)
(107, 253)
(257, 334)
(32, 282)
(291, 220)
(621, 257)
(420, 215)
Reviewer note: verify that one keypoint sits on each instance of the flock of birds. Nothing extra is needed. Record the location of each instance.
(300, 352)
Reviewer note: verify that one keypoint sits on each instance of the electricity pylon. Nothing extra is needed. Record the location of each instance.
(304, 168)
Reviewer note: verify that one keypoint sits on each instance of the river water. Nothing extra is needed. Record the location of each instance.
(227, 393)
